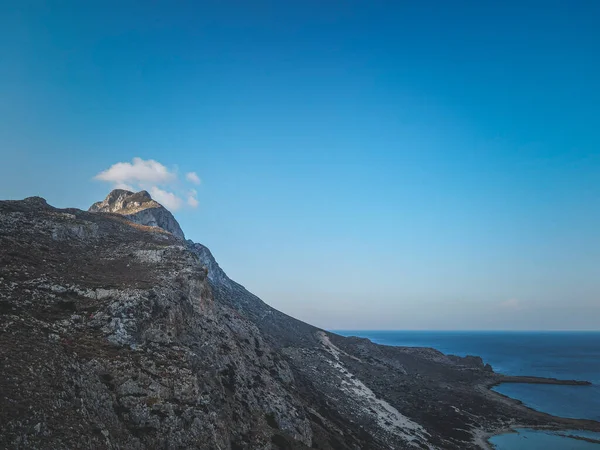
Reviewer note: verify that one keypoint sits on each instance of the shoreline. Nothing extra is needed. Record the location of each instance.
(482, 436)
(529, 417)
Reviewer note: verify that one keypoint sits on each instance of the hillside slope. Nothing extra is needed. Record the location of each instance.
(120, 334)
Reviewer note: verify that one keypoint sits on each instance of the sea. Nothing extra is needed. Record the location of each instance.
(566, 355)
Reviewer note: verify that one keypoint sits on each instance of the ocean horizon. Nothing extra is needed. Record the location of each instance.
(564, 354)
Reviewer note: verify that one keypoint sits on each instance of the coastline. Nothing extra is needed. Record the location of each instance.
(483, 436)
(524, 416)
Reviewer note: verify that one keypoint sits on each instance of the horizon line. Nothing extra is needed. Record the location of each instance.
(468, 330)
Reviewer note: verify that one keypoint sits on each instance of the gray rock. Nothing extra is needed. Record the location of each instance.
(139, 208)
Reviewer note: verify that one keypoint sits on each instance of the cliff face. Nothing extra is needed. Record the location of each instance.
(115, 334)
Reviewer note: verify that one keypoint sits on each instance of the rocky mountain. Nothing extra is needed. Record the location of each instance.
(139, 208)
(116, 333)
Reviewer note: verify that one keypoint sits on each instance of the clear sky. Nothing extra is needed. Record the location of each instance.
(363, 164)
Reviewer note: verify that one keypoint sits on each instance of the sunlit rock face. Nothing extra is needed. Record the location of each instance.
(140, 208)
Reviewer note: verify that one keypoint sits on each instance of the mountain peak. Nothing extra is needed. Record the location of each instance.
(122, 201)
(139, 207)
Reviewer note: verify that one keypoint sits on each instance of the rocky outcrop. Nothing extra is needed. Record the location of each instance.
(116, 334)
(139, 208)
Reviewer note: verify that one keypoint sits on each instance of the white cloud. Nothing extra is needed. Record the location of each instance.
(192, 200)
(192, 177)
(162, 183)
(169, 200)
(137, 171)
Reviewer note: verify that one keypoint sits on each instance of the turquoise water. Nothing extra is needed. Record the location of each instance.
(543, 440)
(567, 355)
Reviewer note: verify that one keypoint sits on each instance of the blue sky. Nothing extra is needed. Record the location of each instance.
(430, 165)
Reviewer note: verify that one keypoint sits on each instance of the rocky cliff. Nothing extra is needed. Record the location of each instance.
(115, 333)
